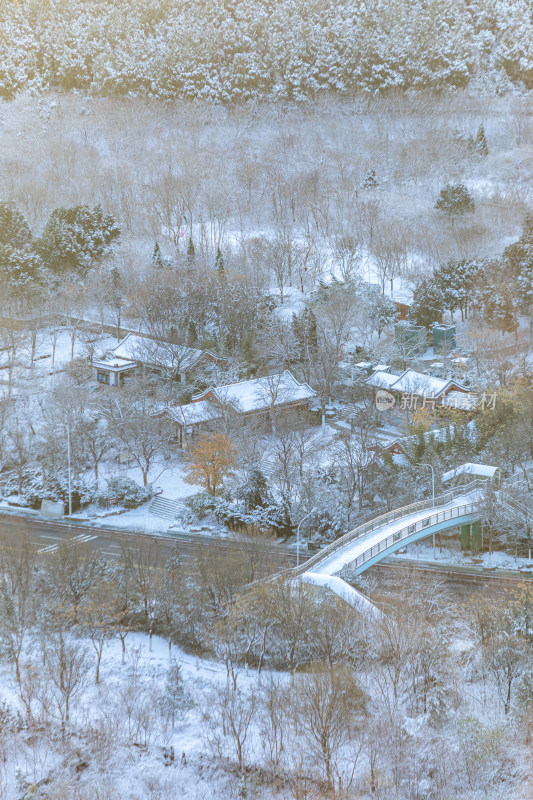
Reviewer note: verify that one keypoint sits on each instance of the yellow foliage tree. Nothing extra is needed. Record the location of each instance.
(212, 458)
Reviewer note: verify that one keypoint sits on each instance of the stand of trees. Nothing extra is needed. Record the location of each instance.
(227, 53)
(328, 702)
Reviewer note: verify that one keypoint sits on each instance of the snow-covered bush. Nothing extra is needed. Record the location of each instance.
(175, 701)
(128, 493)
(38, 486)
(201, 504)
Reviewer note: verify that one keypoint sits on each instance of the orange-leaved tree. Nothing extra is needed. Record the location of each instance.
(212, 458)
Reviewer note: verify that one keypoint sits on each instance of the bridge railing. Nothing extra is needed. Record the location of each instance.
(385, 519)
(409, 530)
(519, 478)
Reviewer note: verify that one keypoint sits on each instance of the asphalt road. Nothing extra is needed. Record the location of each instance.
(46, 535)
(461, 582)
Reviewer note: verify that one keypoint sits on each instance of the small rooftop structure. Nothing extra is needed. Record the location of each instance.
(111, 371)
(444, 338)
(482, 471)
(402, 299)
(410, 338)
(365, 366)
(381, 380)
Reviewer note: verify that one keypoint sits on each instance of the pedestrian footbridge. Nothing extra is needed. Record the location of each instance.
(382, 536)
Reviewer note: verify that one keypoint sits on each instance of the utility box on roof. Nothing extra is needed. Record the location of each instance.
(444, 338)
(410, 338)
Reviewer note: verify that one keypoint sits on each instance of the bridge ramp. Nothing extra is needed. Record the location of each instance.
(344, 591)
(346, 555)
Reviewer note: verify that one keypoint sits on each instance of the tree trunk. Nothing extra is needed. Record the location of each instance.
(98, 660)
(507, 704)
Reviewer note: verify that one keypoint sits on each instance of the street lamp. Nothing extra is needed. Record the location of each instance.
(69, 479)
(432, 493)
(298, 536)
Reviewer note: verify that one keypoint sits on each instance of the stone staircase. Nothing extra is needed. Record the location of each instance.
(167, 509)
(348, 412)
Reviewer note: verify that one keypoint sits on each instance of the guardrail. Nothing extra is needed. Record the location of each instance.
(385, 519)
(415, 527)
(524, 513)
(519, 478)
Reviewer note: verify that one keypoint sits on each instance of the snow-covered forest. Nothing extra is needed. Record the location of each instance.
(157, 679)
(234, 176)
(255, 48)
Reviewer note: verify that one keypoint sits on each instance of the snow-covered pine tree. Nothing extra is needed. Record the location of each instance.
(370, 181)
(75, 238)
(219, 261)
(480, 144)
(428, 303)
(175, 699)
(191, 255)
(157, 258)
(455, 200)
(14, 229)
(456, 282)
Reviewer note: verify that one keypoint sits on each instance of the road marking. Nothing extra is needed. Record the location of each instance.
(52, 548)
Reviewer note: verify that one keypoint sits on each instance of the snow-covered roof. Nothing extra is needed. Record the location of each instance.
(381, 380)
(159, 353)
(260, 394)
(418, 383)
(403, 295)
(193, 413)
(412, 382)
(479, 470)
(116, 364)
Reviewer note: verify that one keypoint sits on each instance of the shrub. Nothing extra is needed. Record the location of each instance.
(201, 504)
(128, 493)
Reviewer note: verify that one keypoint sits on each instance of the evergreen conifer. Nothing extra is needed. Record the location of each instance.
(190, 252)
(481, 142)
(370, 180)
(219, 260)
(157, 258)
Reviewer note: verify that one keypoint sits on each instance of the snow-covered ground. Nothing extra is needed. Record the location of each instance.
(453, 555)
(172, 762)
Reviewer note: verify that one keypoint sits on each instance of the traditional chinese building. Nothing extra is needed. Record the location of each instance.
(414, 390)
(275, 401)
(141, 353)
